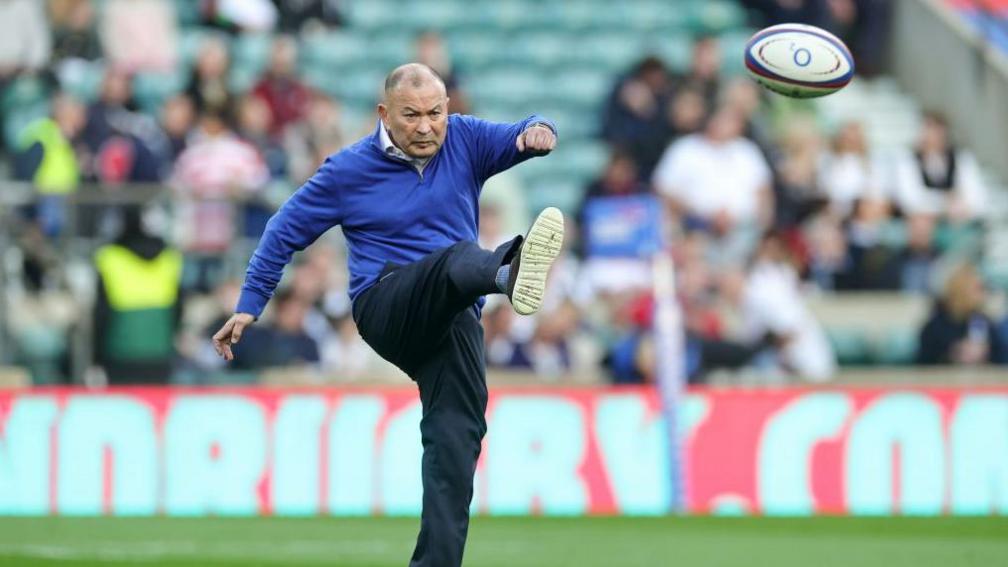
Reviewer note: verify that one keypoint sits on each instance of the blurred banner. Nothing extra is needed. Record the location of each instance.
(564, 452)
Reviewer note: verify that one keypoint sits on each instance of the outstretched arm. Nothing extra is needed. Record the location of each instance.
(308, 213)
(500, 145)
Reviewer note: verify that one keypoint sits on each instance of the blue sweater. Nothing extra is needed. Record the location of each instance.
(389, 212)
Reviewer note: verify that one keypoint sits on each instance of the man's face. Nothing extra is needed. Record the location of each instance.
(416, 117)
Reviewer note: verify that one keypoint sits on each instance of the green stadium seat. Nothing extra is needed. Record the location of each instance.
(675, 50)
(849, 345)
(733, 42)
(18, 118)
(507, 85)
(373, 14)
(474, 51)
(554, 191)
(152, 89)
(81, 79)
(335, 49)
(897, 346)
(187, 12)
(714, 16)
(543, 49)
(586, 87)
(252, 51)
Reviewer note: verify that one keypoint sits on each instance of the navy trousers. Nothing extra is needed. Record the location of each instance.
(422, 318)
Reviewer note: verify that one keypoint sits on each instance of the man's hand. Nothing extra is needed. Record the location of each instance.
(231, 333)
(537, 139)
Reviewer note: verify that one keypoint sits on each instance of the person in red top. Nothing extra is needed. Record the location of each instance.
(285, 94)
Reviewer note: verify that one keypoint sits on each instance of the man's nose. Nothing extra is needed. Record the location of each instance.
(424, 127)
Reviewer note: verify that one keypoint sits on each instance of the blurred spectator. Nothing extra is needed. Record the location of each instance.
(25, 40)
(431, 51)
(140, 35)
(178, 116)
(47, 156)
(705, 69)
(632, 115)
(254, 127)
(126, 145)
(848, 173)
(137, 307)
(214, 169)
(208, 86)
(307, 143)
(491, 227)
(241, 15)
(46, 153)
(743, 95)
(345, 356)
(958, 330)
(919, 255)
(719, 181)
(281, 342)
(305, 15)
(687, 112)
(797, 194)
(285, 95)
(73, 31)
(939, 179)
(771, 302)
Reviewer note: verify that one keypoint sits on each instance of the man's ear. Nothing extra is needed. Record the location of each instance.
(383, 113)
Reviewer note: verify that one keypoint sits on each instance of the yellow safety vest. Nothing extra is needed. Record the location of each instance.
(133, 283)
(58, 173)
(141, 295)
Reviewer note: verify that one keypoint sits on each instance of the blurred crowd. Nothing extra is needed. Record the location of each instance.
(763, 207)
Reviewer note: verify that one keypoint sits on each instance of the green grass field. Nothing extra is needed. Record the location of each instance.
(512, 542)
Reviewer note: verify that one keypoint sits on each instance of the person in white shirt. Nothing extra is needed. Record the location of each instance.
(719, 181)
(849, 173)
(938, 179)
(771, 302)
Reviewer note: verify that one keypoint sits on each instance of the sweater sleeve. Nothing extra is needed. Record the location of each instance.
(494, 143)
(307, 214)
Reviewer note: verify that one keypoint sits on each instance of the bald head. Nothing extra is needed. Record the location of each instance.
(415, 109)
(414, 75)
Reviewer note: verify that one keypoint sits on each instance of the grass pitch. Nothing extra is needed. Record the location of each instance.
(511, 542)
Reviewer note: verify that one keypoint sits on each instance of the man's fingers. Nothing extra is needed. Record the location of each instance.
(226, 352)
(520, 142)
(236, 332)
(224, 331)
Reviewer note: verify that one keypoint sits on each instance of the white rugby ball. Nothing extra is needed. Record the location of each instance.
(798, 60)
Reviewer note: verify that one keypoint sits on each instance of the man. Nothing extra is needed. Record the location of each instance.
(719, 182)
(407, 199)
(137, 305)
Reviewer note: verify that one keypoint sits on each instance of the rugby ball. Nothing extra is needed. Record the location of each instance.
(799, 61)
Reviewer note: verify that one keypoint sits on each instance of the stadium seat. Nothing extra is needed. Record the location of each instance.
(335, 49)
(714, 16)
(187, 11)
(554, 191)
(81, 79)
(850, 346)
(507, 85)
(152, 89)
(896, 346)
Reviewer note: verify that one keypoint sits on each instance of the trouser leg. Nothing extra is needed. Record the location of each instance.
(421, 317)
(454, 396)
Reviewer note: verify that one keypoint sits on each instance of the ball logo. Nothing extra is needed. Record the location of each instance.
(802, 56)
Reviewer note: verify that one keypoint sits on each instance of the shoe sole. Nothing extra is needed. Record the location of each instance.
(540, 249)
